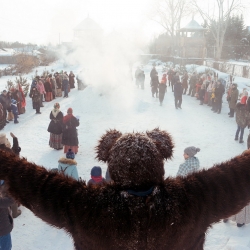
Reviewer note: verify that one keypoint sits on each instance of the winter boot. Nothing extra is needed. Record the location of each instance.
(236, 138)
(241, 141)
(240, 225)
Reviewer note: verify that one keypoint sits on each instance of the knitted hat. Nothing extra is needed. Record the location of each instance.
(96, 171)
(70, 154)
(70, 111)
(191, 151)
(243, 99)
(13, 101)
(56, 105)
(4, 140)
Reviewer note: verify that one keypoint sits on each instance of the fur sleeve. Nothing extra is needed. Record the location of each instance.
(218, 192)
(49, 195)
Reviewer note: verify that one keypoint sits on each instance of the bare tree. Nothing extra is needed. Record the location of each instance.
(169, 13)
(217, 15)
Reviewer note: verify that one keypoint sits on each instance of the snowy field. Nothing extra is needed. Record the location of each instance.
(127, 109)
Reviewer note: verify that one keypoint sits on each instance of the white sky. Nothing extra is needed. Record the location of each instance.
(42, 21)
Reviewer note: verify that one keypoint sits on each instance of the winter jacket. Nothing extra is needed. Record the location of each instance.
(14, 109)
(56, 123)
(68, 167)
(170, 74)
(6, 220)
(35, 95)
(47, 85)
(233, 98)
(58, 82)
(190, 166)
(3, 101)
(70, 137)
(71, 79)
(154, 81)
(184, 80)
(40, 87)
(178, 89)
(242, 115)
(65, 84)
(162, 88)
(218, 92)
(94, 182)
(153, 72)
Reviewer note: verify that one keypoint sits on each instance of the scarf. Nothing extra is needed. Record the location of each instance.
(67, 117)
(96, 179)
(55, 112)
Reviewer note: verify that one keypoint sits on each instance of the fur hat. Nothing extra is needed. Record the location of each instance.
(243, 99)
(70, 154)
(4, 140)
(70, 111)
(191, 151)
(135, 159)
(96, 171)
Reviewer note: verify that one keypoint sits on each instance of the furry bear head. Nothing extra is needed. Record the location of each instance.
(135, 160)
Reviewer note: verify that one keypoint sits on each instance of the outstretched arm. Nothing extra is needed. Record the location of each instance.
(49, 195)
(218, 192)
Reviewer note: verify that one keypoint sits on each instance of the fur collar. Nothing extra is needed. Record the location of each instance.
(67, 161)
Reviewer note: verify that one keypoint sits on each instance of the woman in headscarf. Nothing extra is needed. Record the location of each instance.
(70, 137)
(55, 127)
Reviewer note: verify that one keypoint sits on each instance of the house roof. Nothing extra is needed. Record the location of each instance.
(88, 24)
(192, 26)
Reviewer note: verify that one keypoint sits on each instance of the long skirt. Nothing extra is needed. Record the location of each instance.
(243, 216)
(48, 97)
(55, 141)
(73, 149)
(59, 92)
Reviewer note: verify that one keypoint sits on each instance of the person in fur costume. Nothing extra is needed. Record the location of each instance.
(140, 209)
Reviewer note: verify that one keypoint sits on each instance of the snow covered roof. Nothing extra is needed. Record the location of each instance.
(192, 26)
(88, 24)
(6, 52)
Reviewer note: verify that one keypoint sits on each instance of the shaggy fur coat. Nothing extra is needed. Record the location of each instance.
(138, 209)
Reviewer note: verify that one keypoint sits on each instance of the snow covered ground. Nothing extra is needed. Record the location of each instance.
(127, 109)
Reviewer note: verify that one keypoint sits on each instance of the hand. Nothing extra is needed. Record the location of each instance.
(12, 135)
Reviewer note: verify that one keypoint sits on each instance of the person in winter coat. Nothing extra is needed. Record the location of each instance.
(14, 110)
(36, 99)
(71, 80)
(58, 85)
(232, 99)
(218, 92)
(41, 90)
(48, 90)
(68, 165)
(2, 118)
(4, 102)
(143, 210)
(65, 85)
(184, 81)
(96, 176)
(170, 74)
(175, 79)
(55, 127)
(6, 219)
(242, 118)
(192, 84)
(202, 93)
(141, 79)
(191, 164)
(70, 137)
(154, 85)
(8, 106)
(178, 94)
(162, 88)
(210, 88)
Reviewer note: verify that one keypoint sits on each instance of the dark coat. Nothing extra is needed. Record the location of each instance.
(71, 80)
(218, 92)
(178, 89)
(184, 80)
(153, 72)
(242, 115)
(35, 95)
(233, 98)
(65, 84)
(14, 109)
(70, 137)
(47, 86)
(3, 101)
(56, 123)
(162, 90)
(193, 80)
(174, 216)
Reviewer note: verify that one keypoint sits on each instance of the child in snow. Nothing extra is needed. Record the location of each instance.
(14, 110)
(96, 176)
(191, 164)
(68, 165)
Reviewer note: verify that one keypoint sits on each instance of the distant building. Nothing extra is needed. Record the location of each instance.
(192, 41)
(88, 29)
